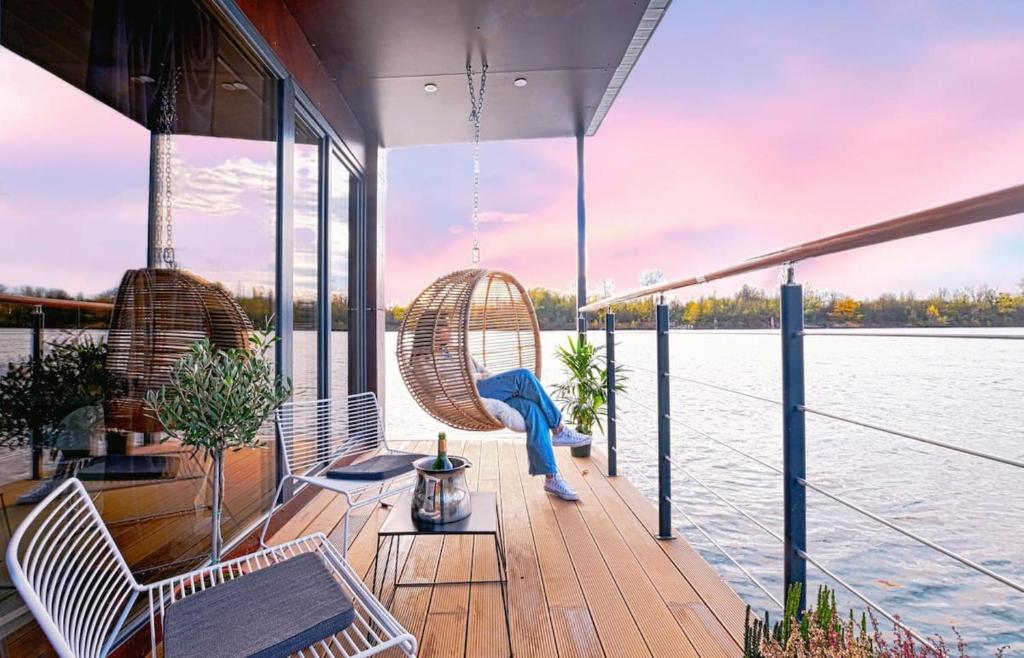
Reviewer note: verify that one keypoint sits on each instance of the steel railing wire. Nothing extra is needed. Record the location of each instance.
(890, 334)
(751, 577)
(726, 445)
(912, 535)
(714, 493)
(704, 434)
(696, 525)
(732, 505)
(867, 601)
(699, 382)
(914, 437)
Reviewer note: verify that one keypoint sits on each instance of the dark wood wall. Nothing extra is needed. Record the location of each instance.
(281, 31)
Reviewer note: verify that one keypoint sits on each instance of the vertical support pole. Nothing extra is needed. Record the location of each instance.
(38, 324)
(152, 257)
(581, 241)
(664, 429)
(609, 333)
(284, 273)
(793, 437)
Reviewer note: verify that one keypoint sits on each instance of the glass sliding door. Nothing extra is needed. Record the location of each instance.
(306, 258)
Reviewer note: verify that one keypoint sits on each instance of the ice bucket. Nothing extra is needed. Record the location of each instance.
(441, 496)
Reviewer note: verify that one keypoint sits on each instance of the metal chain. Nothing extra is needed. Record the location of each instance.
(166, 123)
(475, 113)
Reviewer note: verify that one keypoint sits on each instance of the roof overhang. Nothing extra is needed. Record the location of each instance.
(574, 54)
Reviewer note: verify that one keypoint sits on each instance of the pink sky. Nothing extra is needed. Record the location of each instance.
(743, 129)
(685, 179)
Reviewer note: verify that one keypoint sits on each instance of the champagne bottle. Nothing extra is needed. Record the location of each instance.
(441, 462)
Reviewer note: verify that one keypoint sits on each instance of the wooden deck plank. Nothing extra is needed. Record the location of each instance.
(613, 618)
(532, 630)
(719, 599)
(585, 579)
(445, 631)
(485, 634)
(575, 633)
(644, 573)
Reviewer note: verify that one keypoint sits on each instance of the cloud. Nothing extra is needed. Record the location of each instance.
(499, 217)
(686, 188)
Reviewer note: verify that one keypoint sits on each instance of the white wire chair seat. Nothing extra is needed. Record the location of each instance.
(80, 590)
(315, 435)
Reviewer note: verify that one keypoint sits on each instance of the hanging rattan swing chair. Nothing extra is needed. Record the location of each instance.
(468, 318)
(160, 312)
(158, 315)
(475, 314)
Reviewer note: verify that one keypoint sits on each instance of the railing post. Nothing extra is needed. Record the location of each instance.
(793, 436)
(38, 323)
(609, 333)
(664, 429)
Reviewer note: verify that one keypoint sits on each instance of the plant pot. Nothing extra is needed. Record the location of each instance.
(580, 451)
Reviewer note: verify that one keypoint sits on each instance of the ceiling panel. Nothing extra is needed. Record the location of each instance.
(382, 52)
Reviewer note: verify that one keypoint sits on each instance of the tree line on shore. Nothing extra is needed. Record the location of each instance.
(753, 308)
(749, 308)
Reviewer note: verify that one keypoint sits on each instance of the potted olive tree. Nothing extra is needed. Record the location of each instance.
(584, 394)
(217, 400)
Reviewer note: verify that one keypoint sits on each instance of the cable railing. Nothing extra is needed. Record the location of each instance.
(913, 437)
(794, 410)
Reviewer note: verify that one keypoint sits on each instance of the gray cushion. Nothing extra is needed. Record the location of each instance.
(128, 467)
(275, 611)
(381, 467)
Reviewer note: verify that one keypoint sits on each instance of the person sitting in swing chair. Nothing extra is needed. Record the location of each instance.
(521, 390)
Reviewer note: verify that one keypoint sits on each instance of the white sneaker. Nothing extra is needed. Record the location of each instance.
(570, 438)
(559, 487)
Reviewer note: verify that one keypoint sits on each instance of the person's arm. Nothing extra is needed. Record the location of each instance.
(479, 372)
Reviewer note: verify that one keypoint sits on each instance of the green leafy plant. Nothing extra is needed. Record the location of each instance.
(821, 632)
(35, 397)
(584, 394)
(217, 400)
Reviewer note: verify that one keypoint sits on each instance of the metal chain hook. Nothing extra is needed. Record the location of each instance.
(166, 122)
(476, 112)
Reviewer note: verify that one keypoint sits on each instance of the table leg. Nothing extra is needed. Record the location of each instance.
(499, 549)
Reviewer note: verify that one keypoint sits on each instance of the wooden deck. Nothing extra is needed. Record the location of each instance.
(585, 579)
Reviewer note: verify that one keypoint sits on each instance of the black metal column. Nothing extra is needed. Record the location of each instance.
(664, 429)
(609, 333)
(581, 241)
(793, 438)
(38, 324)
(284, 274)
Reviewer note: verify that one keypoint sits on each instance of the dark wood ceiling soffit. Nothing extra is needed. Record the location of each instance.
(381, 53)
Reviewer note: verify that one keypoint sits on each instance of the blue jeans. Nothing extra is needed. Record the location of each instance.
(520, 390)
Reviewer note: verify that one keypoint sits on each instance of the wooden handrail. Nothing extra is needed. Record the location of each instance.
(49, 302)
(994, 205)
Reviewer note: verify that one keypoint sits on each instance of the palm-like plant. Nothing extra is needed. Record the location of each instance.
(584, 394)
(217, 400)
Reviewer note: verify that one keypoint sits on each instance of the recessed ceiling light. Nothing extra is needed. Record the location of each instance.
(241, 86)
(520, 82)
(430, 87)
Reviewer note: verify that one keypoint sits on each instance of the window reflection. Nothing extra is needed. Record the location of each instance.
(305, 236)
(75, 210)
(341, 183)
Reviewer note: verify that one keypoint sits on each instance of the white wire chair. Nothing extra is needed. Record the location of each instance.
(317, 434)
(78, 586)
